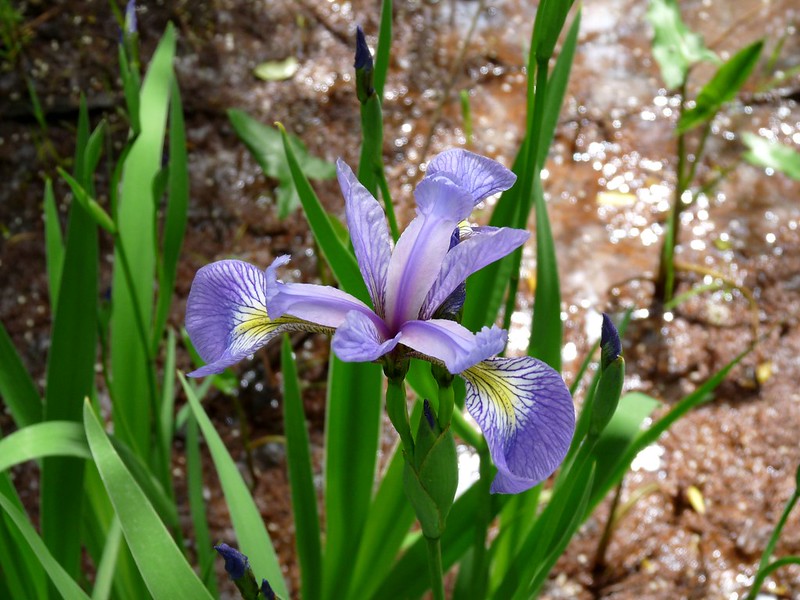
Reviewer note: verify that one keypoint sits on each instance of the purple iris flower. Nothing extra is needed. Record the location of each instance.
(521, 404)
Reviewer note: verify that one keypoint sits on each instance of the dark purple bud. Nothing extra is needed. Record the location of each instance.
(130, 17)
(236, 563)
(428, 412)
(610, 345)
(266, 589)
(363, 55)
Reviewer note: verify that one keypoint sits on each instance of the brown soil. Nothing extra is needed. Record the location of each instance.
(615, 135)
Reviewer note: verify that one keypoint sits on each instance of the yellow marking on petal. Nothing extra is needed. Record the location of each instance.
(497, 387)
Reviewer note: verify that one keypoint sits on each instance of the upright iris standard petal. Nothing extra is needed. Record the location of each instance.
(226, 314)
(526, 413)
(481, 176)
(469, 256)
(359, 340)
(320, 304)
(369, 233)
(417, 258)
(451, 343)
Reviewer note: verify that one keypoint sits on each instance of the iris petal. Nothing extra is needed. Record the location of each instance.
(417, 258)
(527, 416)
(466, 258)
(481, 176)
(321, 304)
(369, 233)
(226, 315)
(451, 343)
(358, 340)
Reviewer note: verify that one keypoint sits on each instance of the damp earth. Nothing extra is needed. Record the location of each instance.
(702, 502)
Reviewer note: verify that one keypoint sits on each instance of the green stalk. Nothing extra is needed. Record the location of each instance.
(482, 517)
(397, 410)
(435, 567)
(446, 403)
(764, 566)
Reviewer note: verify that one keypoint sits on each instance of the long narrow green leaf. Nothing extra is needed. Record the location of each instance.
(70, 374)
(175, 220)
(108, 562)
(160, 561)
(197, 506)
(51, 438)
(301, 479)
(722, 88)
(16, 386)
(168, 396)
(136, 221)
(779, 157)
(251, 533)
(60, 578)
(21, 573)
(340, 259)
(353, 413)
(54, 244)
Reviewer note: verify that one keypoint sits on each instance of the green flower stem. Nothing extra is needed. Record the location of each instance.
(764, 566)
(466, 431)
(446, 403)
(397, 410)
(435, 567)
(762, 575)
(387, 201)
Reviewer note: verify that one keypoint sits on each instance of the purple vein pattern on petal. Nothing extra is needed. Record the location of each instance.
(226, 314)
(527, 416)
(419, 253)
(368, 230)
(451, 343)
(466, 258)
(359, 340)
(480, 175)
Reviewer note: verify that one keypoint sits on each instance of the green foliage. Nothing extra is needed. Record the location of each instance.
(675, 47)
(266, 146)
(722, 88)
(778, 157)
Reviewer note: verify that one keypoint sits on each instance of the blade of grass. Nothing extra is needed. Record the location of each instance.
(136, 222)
(16, 386)
(61, 580)
(50, 438)
(197, 506)
(70, 374)
(252, 536)
(340, 259)
(382, 52)
(54, 244)
(301, 478)
(104, 578)
(175, 220)
(349, 467)
(160, 561)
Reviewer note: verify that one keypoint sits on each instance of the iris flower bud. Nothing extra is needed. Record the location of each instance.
(612, 374)
(364, 68)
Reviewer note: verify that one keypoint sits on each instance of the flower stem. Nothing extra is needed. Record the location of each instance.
(446, 403)
(435, 567)
(397, 410)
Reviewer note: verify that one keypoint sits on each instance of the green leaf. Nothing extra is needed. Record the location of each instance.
(70, 373)
(16, 386)
(338, 256)
(254, 541)
(54, 244)
(135, 218)
(301, 478)
(349, 467)
(175, 220)
(550, 18)
(722, 87)
(51, 438)
(383, 51)
(675, 48)
(60, 578)
(772, 155)
(88, 203)
(160, 561)
(104, 578)
(266, 146)
(611, 474)
(277, 70)
(197, 506)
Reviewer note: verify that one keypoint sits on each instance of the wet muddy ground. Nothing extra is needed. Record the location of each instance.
(609, 182)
